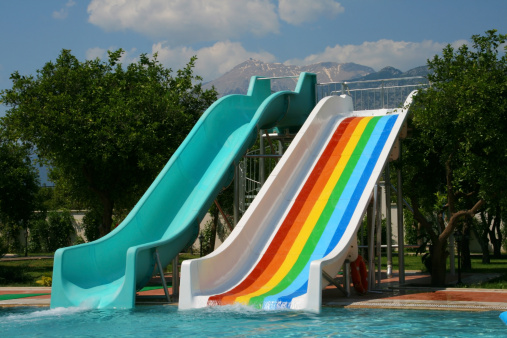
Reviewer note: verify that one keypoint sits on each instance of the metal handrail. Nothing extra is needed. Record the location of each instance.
(392, 79)
(370, 81)
(374, 88)
(278, 77)
(386, 88)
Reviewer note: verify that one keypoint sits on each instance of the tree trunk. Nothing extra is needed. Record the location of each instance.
(214, 229)
(105, 197)
(438, 264)
(495, 234)
(483, 241)
(466, 261)
(497, 247)
(419, 232)
(26, 240)
(107, 216)
(486, 258)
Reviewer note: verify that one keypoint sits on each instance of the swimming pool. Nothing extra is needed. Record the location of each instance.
(229, 321)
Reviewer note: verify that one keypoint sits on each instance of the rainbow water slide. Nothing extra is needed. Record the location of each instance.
(305, 219)
(106, 273)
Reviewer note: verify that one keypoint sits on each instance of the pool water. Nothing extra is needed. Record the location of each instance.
(231, 321)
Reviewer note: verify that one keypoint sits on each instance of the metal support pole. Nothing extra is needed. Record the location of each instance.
(236, 194)
(335, 283)
(401, 239)
(370, 219)
(378, 224)
(224, 216)
(346, 277)
(262, 171)
(162, 277)
(176, 277)
(382, 93)
(387, 186)
(364, 241)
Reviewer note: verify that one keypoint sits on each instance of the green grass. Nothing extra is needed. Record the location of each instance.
(496, 283)
(28, 272)
(411, 262)
(25, 272)
(496, 265)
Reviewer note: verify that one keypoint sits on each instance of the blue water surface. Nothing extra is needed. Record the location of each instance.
(232, 321)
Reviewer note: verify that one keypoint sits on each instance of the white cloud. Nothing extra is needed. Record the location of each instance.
(379, 54)
(95, 52)
(297, 12)
(64, 12)
(184, 22)
(101, 53)
(212, 62)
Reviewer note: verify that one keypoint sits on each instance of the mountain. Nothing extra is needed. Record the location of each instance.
(418, 71)
(391, 73)
(384, 73)
(236, 80)
(387, 88)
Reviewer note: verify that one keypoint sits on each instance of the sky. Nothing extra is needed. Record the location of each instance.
(224, 33)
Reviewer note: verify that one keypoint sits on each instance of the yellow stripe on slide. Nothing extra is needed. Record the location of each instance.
(313, 217)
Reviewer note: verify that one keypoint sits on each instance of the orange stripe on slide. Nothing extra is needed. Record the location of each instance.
(291, 226)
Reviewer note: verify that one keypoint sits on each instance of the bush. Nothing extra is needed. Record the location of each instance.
(60, 230)
(91, 223)
(3, 247)
(39, 233)
(14, 275)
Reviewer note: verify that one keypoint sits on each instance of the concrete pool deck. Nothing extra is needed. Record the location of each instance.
(414, 294)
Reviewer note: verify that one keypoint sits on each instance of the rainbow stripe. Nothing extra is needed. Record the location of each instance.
(318, 217)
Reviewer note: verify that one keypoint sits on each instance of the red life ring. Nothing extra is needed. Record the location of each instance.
(359, 275)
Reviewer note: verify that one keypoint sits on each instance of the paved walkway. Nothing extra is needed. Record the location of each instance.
(414, 294)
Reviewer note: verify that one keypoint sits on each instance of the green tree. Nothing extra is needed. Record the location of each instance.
(105, 130)
(19, 185)
(452, 163)
(59, 230)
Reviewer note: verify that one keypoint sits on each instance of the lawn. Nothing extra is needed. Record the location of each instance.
(28, 272)
(25, 272)
(413, 262)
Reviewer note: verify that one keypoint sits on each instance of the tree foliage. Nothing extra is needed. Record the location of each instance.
(19, 187)
(105, 129)
(451, 164)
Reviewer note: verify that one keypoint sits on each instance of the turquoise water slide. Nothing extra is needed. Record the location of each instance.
(107, 273)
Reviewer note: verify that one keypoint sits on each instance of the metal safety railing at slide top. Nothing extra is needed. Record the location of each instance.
(374, 94)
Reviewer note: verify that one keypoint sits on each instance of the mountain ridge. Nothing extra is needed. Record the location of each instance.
(236, 80)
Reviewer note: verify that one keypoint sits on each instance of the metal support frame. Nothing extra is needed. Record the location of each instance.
(162, 277)
(229, 225)
(387, 187)
(262, 168)
(370, 219)
(236, 194)
(346, 276)
(378, 225)
(401, 237)
(374, 222)
(176, 277)
(346, 279)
